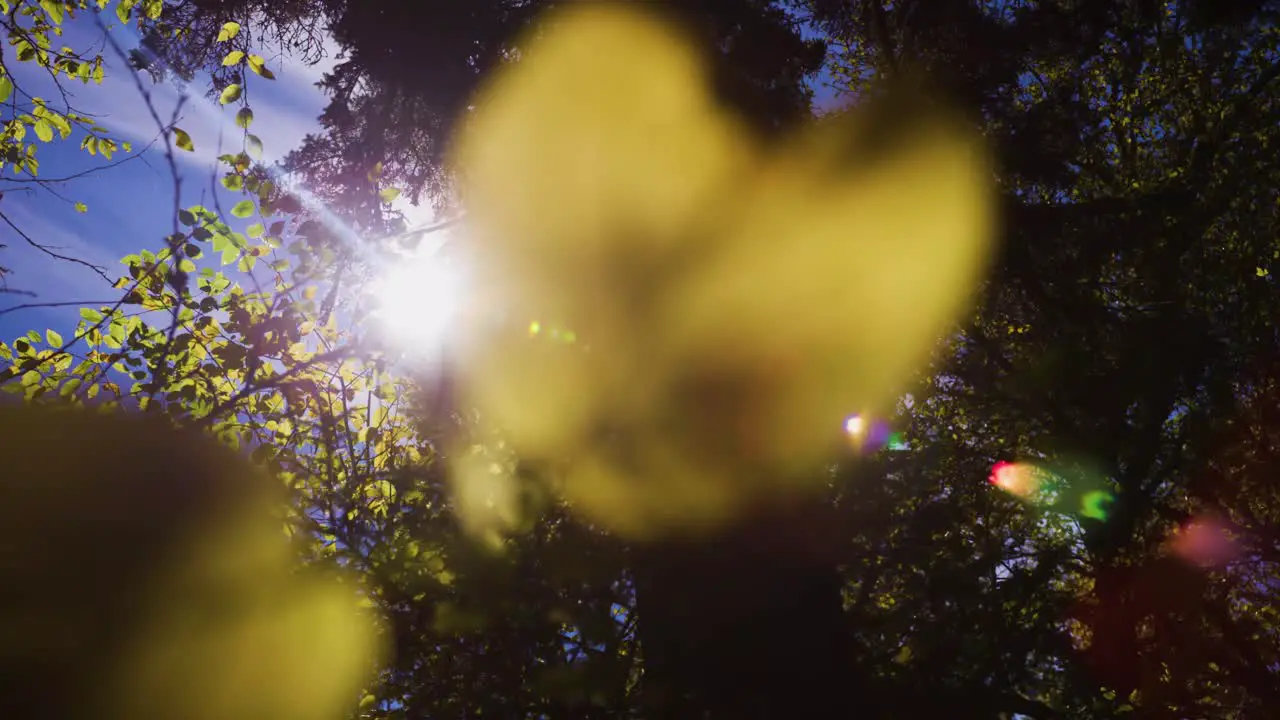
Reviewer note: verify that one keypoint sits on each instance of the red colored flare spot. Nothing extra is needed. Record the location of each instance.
(1014, 478)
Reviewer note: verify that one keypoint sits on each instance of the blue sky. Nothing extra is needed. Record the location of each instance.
(129, 205)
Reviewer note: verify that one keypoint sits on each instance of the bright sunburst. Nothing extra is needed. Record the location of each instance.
(416, 299)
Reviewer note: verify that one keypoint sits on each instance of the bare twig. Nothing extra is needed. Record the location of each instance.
(165, 134)
(67, 303)
(101, 271)
(83, 173)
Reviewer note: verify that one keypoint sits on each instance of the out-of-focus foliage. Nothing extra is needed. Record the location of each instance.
(149, 576)
(616, 197)
(1119, 360)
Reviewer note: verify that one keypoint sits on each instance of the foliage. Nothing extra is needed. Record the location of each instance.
(601, 170)
(1122, 347)
(130, 550)
(1117, 346)
(408, 71)
(32, 28)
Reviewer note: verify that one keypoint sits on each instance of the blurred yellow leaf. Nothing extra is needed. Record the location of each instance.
(732, 300)
(156, 580)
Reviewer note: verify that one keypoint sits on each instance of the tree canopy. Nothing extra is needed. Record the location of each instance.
(1055, 501)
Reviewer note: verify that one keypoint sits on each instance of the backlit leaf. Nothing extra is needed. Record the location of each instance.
(230, 94)
(229, 31)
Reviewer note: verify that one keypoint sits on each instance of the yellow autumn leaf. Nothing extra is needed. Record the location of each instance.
(157, 578)
(727, 302)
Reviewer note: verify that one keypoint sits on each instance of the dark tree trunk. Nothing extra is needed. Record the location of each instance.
(748, 624)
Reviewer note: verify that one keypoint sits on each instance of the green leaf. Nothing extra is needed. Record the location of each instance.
(91, 315)
(55, 340)
(232, 181)
(228, 31)
(253, 144)
(43, 129)
(233, 58)
(389, 195)
(230, 94)
(186, 217)
(6, 88)
(54, 8)
(183, 140)
(277, 227)
(81, 207)
(243, 209)
(244, 118)
(255, 230)
(70, 386)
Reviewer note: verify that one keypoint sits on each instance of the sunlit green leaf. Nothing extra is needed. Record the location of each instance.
(70, 386)
(55, 10)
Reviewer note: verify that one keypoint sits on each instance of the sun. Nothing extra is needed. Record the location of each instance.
(416, 298)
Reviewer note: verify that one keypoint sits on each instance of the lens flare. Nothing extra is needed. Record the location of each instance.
(854, 426)
(1018, 479)
(416, 301)
(1095, 504)
(1204, 541)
